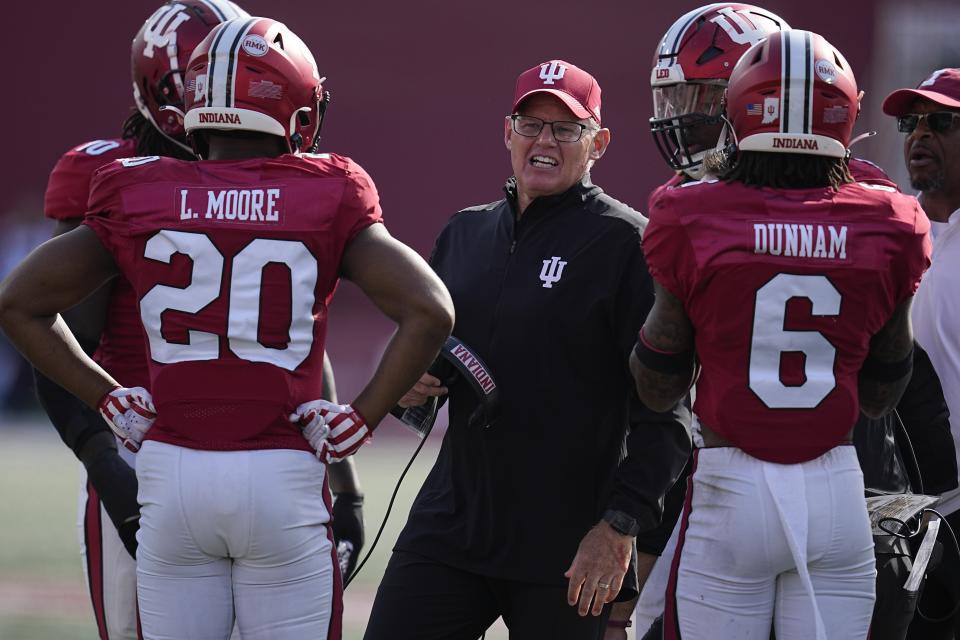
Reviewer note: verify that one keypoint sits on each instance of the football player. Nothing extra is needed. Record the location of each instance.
(691, 68)
(107, 325)
(816, 272)
(234, 262)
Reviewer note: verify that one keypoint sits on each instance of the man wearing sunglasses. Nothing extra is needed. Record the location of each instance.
(534, 517)
(929, 116)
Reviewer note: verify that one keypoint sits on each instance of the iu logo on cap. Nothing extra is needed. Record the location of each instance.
(552, 71)
(926, 83)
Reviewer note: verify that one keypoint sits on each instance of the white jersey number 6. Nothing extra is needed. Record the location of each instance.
(771, 340)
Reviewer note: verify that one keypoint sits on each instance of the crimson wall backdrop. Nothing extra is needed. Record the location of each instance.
(419, 88)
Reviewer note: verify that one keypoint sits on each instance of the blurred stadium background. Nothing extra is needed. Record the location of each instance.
(419, 92)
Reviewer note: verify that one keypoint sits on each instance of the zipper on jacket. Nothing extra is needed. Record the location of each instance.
(495, 317)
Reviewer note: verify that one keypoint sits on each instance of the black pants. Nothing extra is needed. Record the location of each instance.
(940, 593)
(420, 599)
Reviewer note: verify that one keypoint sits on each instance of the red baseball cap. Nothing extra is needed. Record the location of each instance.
(577, 88)
(942, 87)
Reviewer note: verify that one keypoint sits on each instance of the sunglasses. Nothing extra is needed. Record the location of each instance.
(937, 122)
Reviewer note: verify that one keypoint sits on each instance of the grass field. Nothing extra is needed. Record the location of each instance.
(42, 596)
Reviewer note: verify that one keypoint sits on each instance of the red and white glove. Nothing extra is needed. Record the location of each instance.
(129, 413)
(335, 431)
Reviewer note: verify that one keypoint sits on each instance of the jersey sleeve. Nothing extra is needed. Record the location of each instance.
(668, 249)
(360, 206)
(867, 172)
(915, 255)
(68, 186)
(104, 212)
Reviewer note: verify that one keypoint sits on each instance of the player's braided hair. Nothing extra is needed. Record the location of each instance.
(780, 170)
(151, 142)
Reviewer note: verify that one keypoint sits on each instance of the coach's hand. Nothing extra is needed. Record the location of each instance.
(426, 387)
(335, 431)
(129, 413)
(596, 574)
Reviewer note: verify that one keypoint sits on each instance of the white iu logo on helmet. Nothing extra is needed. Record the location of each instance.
(552, 71)
(552, 271)
(744, 32)
(163, 29)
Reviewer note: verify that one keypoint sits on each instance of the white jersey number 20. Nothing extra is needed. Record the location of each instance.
(243, 317)
(770, 340)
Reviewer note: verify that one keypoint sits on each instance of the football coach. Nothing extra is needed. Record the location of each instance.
(539, 516)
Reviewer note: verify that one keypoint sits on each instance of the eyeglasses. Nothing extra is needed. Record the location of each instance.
(563, 130)
(937, 122)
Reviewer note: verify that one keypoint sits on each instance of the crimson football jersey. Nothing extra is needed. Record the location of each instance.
(233, 264)
(121, 350)
(785, 288)
(68, 187)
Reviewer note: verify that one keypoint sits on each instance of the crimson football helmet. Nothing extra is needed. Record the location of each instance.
(254, 74)
(159, 56)
(690, 71)
(793, 93)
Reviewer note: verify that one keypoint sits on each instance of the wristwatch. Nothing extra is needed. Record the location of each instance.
(622, 522)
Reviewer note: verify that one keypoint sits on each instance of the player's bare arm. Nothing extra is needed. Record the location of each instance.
(407, 290)
(81, 428)
(56, 276)
(886, 371)
(87, 319)
(668, 371)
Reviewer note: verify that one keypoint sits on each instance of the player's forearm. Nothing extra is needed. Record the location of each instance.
(886, 371)
(661, 391)
(879, 398)
(47, 343)
(343, 477)
(663, 362)
(408, 355)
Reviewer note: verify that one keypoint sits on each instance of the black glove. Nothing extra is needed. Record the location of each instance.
(348, 530)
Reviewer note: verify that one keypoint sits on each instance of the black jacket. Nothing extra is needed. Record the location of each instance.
(514, 500)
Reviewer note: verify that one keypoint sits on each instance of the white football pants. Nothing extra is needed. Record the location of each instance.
(235, 531)
(650, 605)
(763, 543)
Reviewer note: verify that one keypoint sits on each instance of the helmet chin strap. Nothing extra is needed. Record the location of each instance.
(295, 140)
(193, 148)
(862, 136)
(142, 107)
(321, 112)
(724, 146)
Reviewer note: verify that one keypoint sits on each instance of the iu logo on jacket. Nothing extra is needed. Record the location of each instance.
(552, 271)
